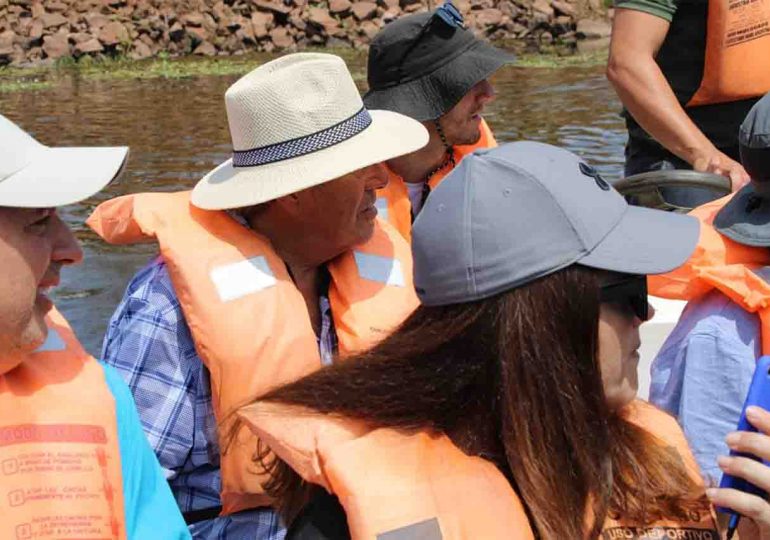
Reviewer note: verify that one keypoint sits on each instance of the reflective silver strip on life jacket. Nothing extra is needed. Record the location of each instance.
(381, 269)
(424, 530)
(381, 204)
(53, 343)
(240, 279)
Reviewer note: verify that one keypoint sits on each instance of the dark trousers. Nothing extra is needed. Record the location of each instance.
(645, 156)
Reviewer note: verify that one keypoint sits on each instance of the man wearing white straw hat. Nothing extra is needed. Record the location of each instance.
(273, 265)
(74, 460)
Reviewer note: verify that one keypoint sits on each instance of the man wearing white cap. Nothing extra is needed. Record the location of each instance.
(274, 263)
(74, 461)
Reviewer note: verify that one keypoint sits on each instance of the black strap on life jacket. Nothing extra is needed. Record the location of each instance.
(204, 514)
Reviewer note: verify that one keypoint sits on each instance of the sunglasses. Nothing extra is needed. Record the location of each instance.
(447, 14)
(629, 293)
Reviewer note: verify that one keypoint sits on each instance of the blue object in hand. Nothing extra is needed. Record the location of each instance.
(759, 396)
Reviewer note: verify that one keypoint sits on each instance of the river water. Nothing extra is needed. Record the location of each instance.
(177, 131)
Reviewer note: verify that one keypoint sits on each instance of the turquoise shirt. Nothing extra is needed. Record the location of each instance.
(151, 512)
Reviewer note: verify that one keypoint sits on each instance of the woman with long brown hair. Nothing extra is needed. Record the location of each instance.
(504, 406)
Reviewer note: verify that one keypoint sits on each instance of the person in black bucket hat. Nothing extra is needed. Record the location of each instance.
(430, 67)
(746, 218)
(703, 371)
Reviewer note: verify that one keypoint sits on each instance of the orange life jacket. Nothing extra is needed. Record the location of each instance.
(722, 264)
(737, 64)
(249, 322)
(393, 202)
(60, 473)
(423, 486)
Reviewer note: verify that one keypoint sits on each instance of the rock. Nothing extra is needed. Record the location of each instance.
(193, 19)
(112, 34)
(261, 23)
(592, 29)
(281, 38)
(413, 8)
(337, 43)
(176, 32)
(274, 6)
(53, 20)
(340, 6)
(235, 23)
(205, 49)
(140, 51)
(56, 46)
(404, 3)
(390, 4)
(543, 6)
(197, 34)
(37, 10)
(36, 29)
(363, 11)
(6, 39)
(562, 20)
(320, 17)
(56, 6)
(79, 37)
(546, 37)
(564, 8)
(93, 45)
(209, 23)
(390, 15)
(6, 56)
(585, 46)
(489, 17)
(96, 21)
(369, 29)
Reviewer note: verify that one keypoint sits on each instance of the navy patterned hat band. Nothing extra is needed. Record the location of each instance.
(304, 145)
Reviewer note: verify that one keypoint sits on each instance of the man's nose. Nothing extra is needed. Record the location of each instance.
(66, 248)
(376, 176)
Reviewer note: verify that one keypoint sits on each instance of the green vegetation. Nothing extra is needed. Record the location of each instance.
(163, 67)
(556, 60)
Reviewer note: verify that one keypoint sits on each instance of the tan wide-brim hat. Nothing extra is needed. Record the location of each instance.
(297, 122)
(33, 175)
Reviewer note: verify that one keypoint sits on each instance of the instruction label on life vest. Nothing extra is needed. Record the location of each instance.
(54, 483)
(659, 533)
(747, 20)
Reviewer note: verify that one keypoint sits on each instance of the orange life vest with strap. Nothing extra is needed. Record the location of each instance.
(393, 204)
(722, 264)
(60, 471)
(396, 485)
(737, 64)
(249, 322)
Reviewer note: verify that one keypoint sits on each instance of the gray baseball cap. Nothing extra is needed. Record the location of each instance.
(509, 215)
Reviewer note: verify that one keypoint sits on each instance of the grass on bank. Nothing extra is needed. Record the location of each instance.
(163, 67)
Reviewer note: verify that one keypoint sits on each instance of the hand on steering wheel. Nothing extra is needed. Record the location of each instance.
(719, 163)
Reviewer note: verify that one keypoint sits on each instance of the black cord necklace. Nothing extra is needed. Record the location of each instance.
(450, 154)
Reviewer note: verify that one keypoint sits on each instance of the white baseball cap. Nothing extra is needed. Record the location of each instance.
(33, 175)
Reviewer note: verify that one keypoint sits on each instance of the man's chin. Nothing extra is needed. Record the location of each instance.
(473, 137)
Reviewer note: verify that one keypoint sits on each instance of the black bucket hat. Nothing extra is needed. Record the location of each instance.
(746, 218)
(423, 64)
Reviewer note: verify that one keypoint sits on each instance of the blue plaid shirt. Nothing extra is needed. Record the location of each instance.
(149, 343)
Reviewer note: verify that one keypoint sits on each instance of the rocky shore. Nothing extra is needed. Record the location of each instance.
(42, 31)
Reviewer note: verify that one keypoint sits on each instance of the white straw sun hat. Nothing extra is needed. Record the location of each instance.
(33, 175)
(297, 122)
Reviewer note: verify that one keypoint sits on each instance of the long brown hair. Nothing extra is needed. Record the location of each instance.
(515, 379)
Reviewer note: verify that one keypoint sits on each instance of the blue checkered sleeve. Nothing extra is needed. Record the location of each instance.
(149, 343)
